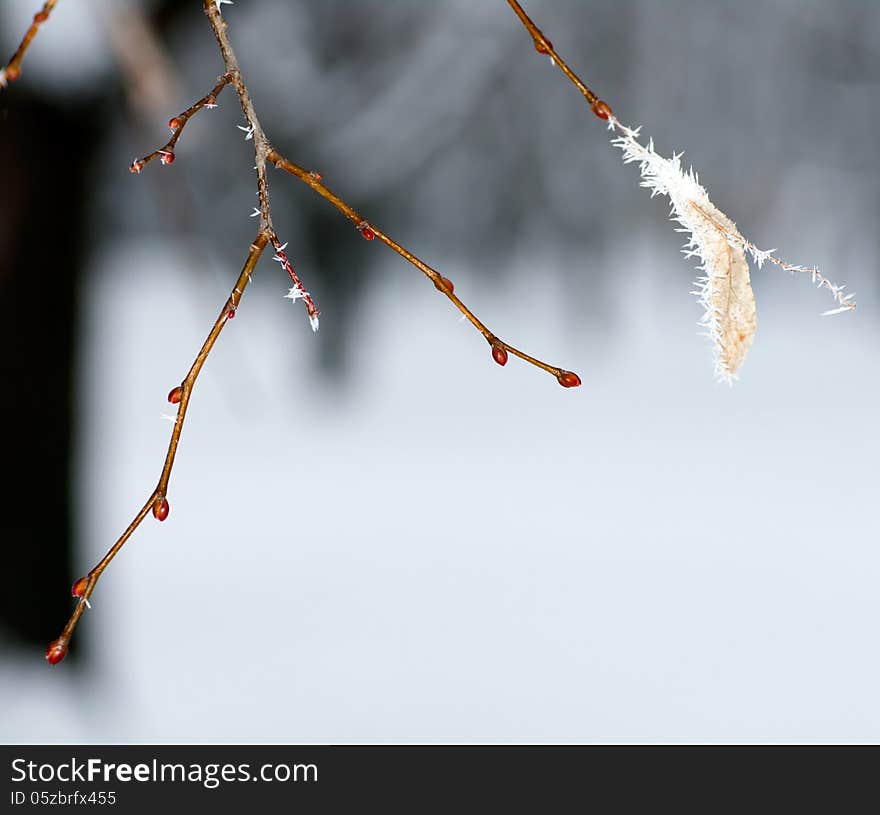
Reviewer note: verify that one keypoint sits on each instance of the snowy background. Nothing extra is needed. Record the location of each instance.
(376, 533)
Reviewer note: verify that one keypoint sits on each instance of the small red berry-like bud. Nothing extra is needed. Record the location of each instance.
(447, 282)
(175, 395)
(174, 123)
(41, 17)
(316, 175)
(56, 651)
(367, 232)
(540, 48)
(211, 102)
(601, 109)
(230, 314)
(499, 354)
(569, 380)
(79, 588)
(161, 509)
(166, 157)
(12, 73)
(136, 166)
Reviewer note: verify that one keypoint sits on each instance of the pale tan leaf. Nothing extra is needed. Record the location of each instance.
(727, 291)
(723, 289)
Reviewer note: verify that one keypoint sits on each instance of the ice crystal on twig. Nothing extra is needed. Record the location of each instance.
(298, 291)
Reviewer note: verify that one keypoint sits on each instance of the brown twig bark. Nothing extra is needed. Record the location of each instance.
(157, 500)
(500, 347)
(544, 46)
(166, 153)
(12, 70)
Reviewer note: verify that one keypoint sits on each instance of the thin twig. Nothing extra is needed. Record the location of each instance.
(254, 129)
(544, 46)
(441, 283)
(157, 500)
(12, 70)
(166, 153)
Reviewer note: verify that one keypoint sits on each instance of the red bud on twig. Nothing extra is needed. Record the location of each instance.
(56, 651)
(161, 509)
(445, 281)
(601, 109)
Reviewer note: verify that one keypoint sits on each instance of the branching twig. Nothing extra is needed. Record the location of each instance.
(180, 395)
(12, 70)
(157, 502)
(166, 153)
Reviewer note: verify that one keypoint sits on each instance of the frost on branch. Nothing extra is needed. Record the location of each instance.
(723, 288)
(297, 291)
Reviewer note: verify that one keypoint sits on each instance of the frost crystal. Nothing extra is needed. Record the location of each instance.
(297, 291)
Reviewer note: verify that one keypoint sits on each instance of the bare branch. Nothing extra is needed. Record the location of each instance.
(12, 70)
(157, 502)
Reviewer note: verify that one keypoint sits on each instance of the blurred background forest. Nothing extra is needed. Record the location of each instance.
(376, 533)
